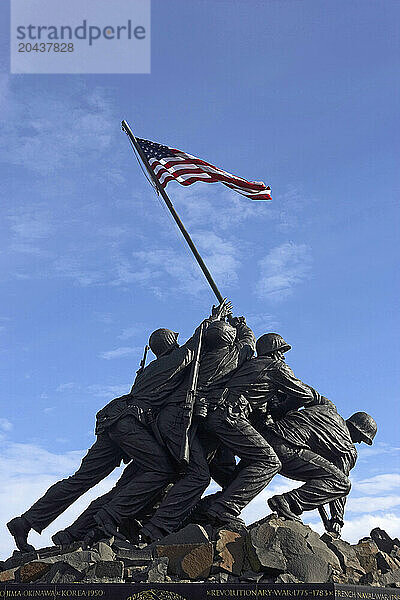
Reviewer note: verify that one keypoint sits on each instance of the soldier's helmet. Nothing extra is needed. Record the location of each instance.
(219, 334)
(365, 425)
(162, 340)
(270, 342)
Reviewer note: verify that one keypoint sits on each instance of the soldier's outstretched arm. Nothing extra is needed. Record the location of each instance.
(292, 392)
(320, 400)
(297, 391)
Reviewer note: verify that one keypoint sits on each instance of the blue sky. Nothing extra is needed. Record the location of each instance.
(302, 95)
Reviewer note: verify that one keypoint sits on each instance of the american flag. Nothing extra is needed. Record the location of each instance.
(169, 163)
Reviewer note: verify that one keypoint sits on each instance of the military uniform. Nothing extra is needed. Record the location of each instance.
(259, 383)
(236, 347)
(123, 433)
(315, 446)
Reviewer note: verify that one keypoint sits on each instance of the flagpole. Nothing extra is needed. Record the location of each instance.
(202, 265)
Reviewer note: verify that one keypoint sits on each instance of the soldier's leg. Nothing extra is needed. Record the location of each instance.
(130, 527)
(184, 495)
(86, 522)
(222, 464)
(100, 460)
(257, 466)
(155, 470)
(323, 481)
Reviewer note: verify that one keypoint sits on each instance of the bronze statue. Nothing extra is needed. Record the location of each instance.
(237, 405)
(122, 434)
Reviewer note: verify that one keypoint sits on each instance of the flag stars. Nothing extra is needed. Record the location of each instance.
(154, 150)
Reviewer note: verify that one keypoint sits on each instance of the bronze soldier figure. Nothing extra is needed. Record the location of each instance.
(235, 345)
(316, 445)
(122, 434)
(226, 347)
(264, 383)
(108, 511)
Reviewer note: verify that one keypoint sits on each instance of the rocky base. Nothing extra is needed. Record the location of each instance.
(272, 551)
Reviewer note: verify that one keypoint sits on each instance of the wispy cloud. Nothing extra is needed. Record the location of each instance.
(288, 207)
(56, 140)
(216, 207)
(5, 425)
(355, 529)
(166, 270)
(367, 452)
(160, 272)
(108, 391)
(4, 320)
(364, 504)
(120, 352)
(105, 318)
(30, 226)
(283, 268)
(74, 268)
(26, 471)
(221, 209)
(380, 483)
(221, 255)
(27, 459)
(262, 323)
(63, 387)
(39, 124)
(130, 332)
(30, 229)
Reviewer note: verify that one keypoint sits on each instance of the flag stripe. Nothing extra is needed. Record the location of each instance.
(192, 169)
(189, 178)
(196, 174)
(172, 167)
(171, 164)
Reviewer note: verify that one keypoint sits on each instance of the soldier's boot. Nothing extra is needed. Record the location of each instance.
(226, 521)
(19, 527)
(93, 536)
(280, 505)
(130, 529)
(107, 524)
(199, 514)
(62, 538)
(151, 533)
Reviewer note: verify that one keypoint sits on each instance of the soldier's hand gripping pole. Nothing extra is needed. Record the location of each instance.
(190, 400)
